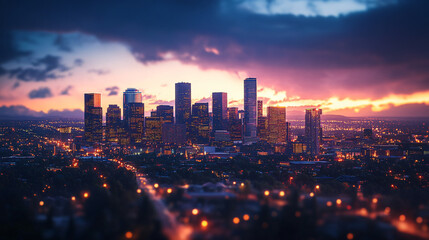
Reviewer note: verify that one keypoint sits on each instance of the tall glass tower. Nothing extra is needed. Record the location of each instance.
(220, 110)
(183, 102)
(313, 130)
(250, 98)
(93, 118)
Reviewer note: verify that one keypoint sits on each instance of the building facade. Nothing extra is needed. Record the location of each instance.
(220, 111)
(276, 125)
(313, 130)
(93, 118)
(250, 111)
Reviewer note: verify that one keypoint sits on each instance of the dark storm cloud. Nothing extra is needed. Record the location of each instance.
(219, 34)
(42, 69)
(113, 91)
(42, 92)
(66, 90)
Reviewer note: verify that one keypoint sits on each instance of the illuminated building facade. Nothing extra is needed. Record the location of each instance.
(235, 125)
(153, 129)
(131, 95)
(313, 130)
(183, 102)
(200, 123)
(166, 112)
(93, 118)
(113, 123)
(136, 122)
(276, 124)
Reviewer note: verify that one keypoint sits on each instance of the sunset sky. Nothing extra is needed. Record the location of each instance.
(351, 57)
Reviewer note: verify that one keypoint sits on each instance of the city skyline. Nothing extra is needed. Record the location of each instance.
(332, 58)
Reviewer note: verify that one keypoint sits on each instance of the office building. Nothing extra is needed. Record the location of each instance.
(166, 112)
(313, 130)
(136, 122)
(200, 123)
(276, 125)
(113, 123)
(250, 97)
(93, 118)
(153, 129)
(234, 124)
(219, 109)
(131, 95)
(183, 102)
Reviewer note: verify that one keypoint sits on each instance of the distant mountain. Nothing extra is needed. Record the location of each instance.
(19, 112)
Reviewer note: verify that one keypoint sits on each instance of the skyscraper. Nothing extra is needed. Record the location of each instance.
(260, 108)
(93, 118)
(131, 95)
(183, 102)
(136, 122)
(219, 109)
(262, 126)
(250, 97)
(234, 124)
(166, 112)
(200, 129)
(153, 129)
(276, 124)
(113, 123)
(313, 130)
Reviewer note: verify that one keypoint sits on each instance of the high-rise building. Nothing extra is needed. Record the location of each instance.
(260, 108)
(113, 123)
(183, 102)
(262, 127)
(93, 118)
(131, 95)
(200, 128)
(219, 109)
(234, 124)
(166, 112)
(136, 122)
(262, 130)
(313, 130)
(153, 129)
(250, 97)
(276, 124)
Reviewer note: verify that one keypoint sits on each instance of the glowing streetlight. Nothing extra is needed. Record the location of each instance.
(156, 185)
(86, 195)
(195, 211)
(41, 203)
(236, 220)
(281, 193)
(204, 223)
(246, 217)
(312, 194)
(267, 193)
(73, 198)
(338, 201)
(128, 235)
(139, 191)
(169, 190)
